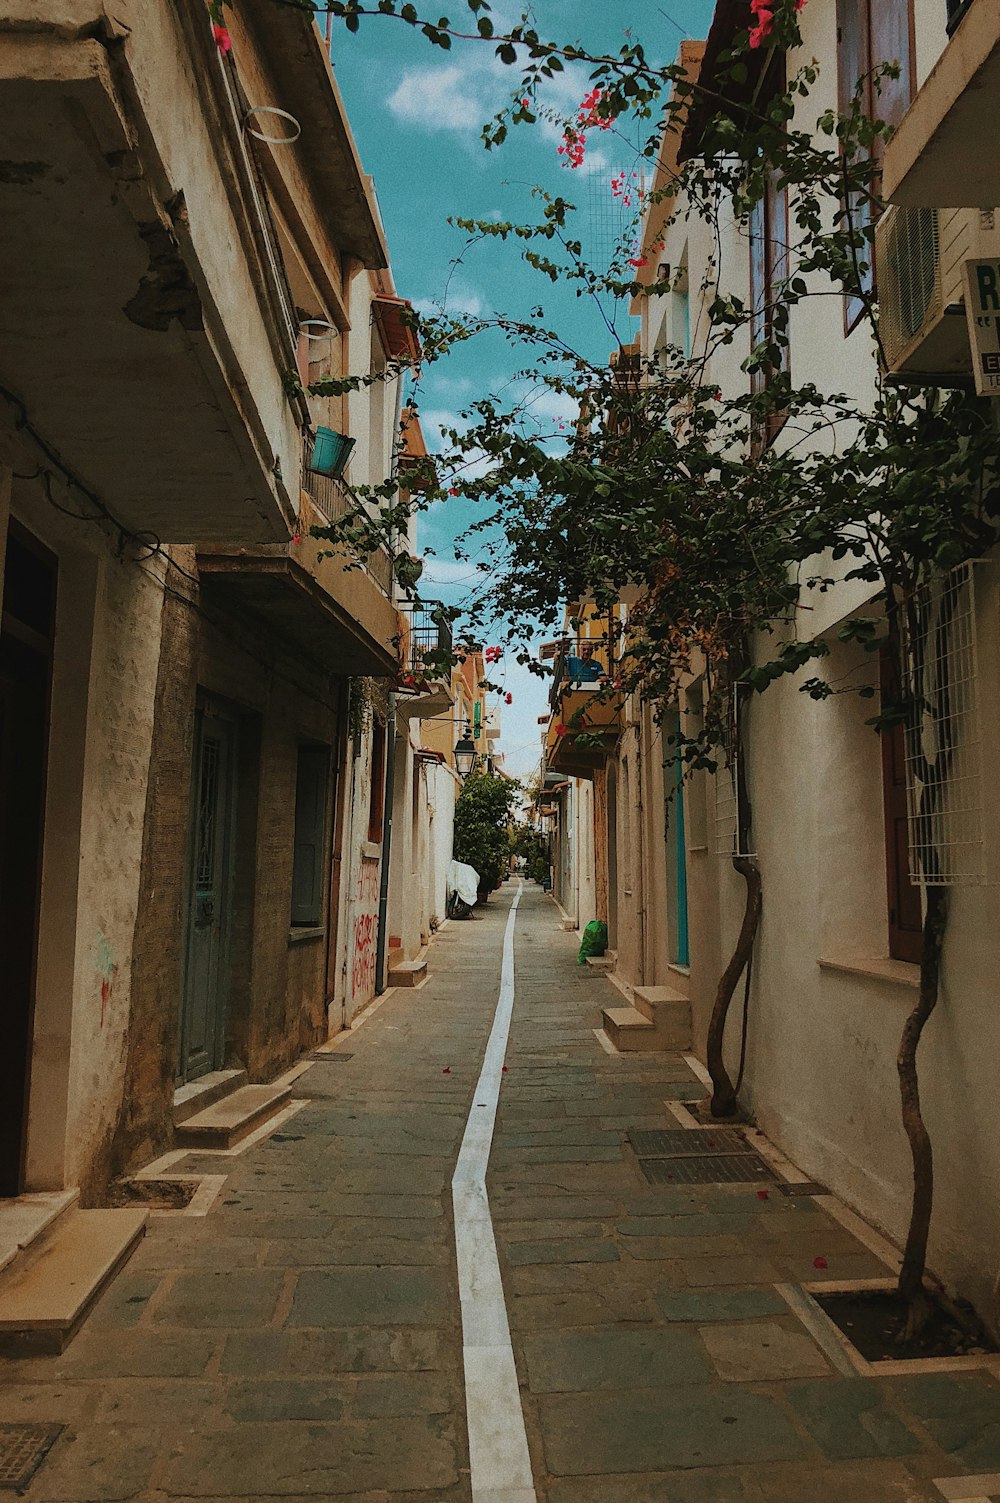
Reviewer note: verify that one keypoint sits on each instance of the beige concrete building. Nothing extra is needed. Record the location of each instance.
(197, 703)
(835, 970)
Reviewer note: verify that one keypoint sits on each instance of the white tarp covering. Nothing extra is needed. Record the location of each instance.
(465, 881)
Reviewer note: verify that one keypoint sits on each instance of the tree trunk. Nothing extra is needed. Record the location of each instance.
(911, 1277)
(724, 1094)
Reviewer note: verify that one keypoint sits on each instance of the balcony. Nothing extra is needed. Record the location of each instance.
(424, 689)
(146, 321)
(940, 155)
(585, 720)
(337, 617)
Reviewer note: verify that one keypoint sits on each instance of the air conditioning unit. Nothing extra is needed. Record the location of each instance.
(919, 256)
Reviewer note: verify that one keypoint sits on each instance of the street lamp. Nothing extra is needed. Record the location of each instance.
(465, 754)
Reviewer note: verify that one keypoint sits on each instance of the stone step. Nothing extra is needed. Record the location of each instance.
(24, 1218)
(225, 1122)
(628, 1030)
(197, 1094)
(46, 1295)
(407, 972)
(670, 1013)
(601, 962)
(680, 978)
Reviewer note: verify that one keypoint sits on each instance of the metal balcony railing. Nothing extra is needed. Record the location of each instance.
(582, 663)
(427, 635)
(333, 499)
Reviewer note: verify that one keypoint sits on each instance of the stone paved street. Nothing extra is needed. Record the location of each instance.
(304, 1339)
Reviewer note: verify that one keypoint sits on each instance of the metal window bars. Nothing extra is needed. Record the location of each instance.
(943, 736)
(728, 797)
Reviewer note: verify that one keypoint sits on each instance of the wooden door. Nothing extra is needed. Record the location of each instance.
(209, 898)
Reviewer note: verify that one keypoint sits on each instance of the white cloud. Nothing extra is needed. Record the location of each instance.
(451, 96)
(460, 298)
(446, 571)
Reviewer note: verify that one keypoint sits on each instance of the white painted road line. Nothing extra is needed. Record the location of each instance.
(498, 1446)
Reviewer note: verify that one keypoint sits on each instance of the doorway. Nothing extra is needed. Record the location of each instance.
(208, 917)
(676, 842)
(26, 636)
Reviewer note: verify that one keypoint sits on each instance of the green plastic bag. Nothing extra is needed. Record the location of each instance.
(593, 941)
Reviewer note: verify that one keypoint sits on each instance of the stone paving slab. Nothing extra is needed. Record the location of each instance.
(303, 1340)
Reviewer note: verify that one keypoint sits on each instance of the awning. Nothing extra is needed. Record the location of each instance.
(398, 338)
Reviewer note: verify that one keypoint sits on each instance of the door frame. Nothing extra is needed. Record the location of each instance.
(208, 706)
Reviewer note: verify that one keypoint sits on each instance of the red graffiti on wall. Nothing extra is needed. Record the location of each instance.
(363, 972)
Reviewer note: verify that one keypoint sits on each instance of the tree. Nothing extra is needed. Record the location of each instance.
(670, 488)
(482, 819)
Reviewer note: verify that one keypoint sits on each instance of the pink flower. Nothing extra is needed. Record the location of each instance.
(508, 699)
(562, 730)
(297, 537)
(223, 40)
(526, 104)
(637, 261)
(453, 490)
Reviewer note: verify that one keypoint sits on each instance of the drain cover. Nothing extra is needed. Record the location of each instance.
(707, 1169)
(686, 1142)
(23, 1448)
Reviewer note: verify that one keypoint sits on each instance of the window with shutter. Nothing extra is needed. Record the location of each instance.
(308, 865)
(870, 33)
(769, 249)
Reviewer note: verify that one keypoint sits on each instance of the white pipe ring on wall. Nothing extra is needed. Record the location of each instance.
(271, 109)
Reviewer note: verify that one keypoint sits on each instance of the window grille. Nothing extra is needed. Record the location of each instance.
(943, 771)
(727, 790)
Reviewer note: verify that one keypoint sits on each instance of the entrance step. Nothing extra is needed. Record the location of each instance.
(680, 978)
(407, 972)
(670, 1013)
(601, 962)
(46, 1295)
(628, 1030)
(225, 1122)
(23, 1218)
(197, 1094)
(660, 1020)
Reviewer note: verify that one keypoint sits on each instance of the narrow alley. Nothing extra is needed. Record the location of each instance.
(303, 1337)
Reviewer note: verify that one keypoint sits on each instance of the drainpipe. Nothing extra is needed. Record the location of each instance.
(390, 764)
(383, 886)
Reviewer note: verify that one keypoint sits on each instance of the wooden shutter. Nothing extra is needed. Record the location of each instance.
(891, 41)
(854, 63)
(310, 836)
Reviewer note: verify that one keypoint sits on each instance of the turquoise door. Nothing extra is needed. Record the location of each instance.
(676, 846)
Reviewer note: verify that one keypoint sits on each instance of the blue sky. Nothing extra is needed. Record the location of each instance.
(417, 113)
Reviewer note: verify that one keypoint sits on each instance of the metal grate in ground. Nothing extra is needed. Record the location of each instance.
(707, 1169)
(23, 1448)
(686, 1142)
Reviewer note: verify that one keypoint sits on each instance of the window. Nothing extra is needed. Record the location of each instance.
(768, 269)
(376, 804)
(869, 33)
(311, 788)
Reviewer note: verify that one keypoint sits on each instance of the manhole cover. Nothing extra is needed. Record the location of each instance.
(23, 1448)
(333, 1059)
(686, 1142)
(707, 1169)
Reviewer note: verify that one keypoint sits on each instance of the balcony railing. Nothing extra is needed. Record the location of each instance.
(582, 663)
(427, 635)
(333, 499)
